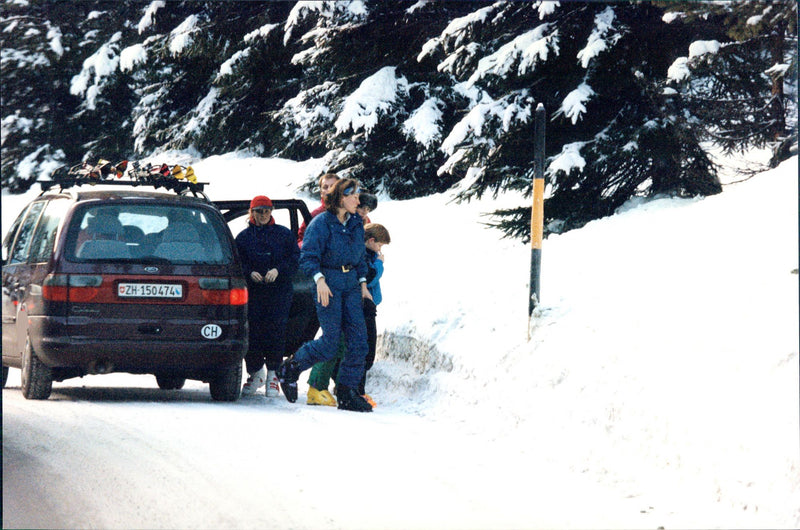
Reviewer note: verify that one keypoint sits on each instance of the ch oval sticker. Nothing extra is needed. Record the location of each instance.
(211, 331)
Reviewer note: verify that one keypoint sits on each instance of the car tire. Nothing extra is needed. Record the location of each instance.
(166, 382)
(226, 384)
(5, 375)
(37, 378)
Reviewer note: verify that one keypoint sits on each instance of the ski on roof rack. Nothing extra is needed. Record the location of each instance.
(173, 178)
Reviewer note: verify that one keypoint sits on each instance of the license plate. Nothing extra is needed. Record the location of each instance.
(150, 290)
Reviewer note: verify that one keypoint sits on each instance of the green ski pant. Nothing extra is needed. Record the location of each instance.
(322, 373)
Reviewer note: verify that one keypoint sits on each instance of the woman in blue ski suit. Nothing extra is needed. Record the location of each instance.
(334, 255)
(269, 258)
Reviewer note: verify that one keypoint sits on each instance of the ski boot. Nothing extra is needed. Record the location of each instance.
(273, 388)
(254, 381)
(350, 400)
(320, 397)
(369, 400)
(288, 374)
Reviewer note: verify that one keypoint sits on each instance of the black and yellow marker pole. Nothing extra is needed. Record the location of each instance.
(537, 212)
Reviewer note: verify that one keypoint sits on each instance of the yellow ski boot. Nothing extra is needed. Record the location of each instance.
(320, 397)
(177, 172)
(190, 176)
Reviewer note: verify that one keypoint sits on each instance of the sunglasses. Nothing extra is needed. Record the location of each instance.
(351, 191)
(262, 210)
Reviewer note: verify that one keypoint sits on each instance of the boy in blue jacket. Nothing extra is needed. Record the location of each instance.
(376, 236)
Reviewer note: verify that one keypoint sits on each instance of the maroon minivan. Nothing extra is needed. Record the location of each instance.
(123, 280)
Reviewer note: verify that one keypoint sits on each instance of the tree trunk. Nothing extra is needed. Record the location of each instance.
(778, 116)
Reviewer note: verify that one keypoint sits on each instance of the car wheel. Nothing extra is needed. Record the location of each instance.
(5, 375)
(166, 382)
(37, 378)
(225, 385)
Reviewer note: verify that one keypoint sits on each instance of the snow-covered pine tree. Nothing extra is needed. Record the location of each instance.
(172, 57)
(741, 87)
(103, 119)
(612, 133)
(253, 77)
(365, 101)
(410, 97)
(36, 102)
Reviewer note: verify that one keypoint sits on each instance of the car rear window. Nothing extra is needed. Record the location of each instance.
(141, 232)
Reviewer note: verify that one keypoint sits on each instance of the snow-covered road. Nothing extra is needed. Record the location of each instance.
(117, 452)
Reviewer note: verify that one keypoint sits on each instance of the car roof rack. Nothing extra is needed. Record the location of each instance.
(171, 178)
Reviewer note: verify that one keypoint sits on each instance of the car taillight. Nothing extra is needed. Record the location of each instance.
(84, 287)
(54, 287)
(223, 291)
(71, 287)
(239, 296)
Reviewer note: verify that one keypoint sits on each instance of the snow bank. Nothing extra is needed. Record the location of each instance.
(662, 361)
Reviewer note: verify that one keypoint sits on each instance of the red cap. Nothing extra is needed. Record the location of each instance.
(260, 201)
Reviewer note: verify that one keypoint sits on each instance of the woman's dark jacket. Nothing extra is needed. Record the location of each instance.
(267, 247)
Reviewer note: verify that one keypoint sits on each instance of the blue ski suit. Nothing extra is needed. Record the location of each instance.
(337, 251)
(263, 248)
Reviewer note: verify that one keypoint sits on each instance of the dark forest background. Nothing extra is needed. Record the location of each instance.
(631, 106)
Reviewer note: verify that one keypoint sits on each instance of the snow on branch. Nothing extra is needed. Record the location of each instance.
(14, 123)
(478, 117)
(131, 56)
(679, 69)
(226, 68)
(54, 36)
(428, 48)
(547, 7)
(702, 47)
(574, 105)
(459, 29)
(456, 63)
(570, 158)
(327, 10)
(202, 112)
(261, 32)
(525, 50)
(181, 36)
(777, 70)
(149, 15)
(307, 109)
(376, 94)
(95, 69)
(457, 34)
(424, 123)
(598, 41)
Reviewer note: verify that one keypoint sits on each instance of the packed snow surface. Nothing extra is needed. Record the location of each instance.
(655, 386)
